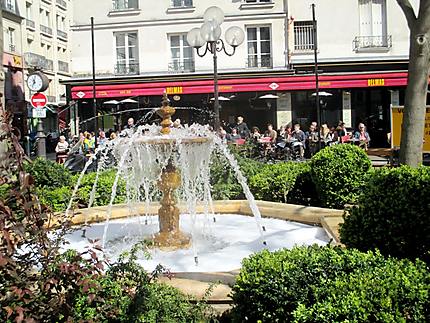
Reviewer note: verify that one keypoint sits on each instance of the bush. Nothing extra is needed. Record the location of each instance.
(284, 285)
(48, 174)
(398, 291)
(339, 174)
(223, 179)
(57, 199)
(392, 214)
(284, 182)
(103, 191)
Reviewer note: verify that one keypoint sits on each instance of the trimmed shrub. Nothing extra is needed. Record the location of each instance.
(275, 182)
(339, 174)
(398, 291)
(392, 214)
(57, 199)
(284, 285)
(103, 191)
(47, 173)
(223, 179)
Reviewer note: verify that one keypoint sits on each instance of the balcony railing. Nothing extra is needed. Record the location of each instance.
(49, 65)
(259, 62)
(47, 1)
(61, 34)
(372, 42)
(12, 48)
(182, 66)
(30, 24)
(9, 6)
(47, 31)
(63, 66)
(62, 4)
(182, 3)
(125, 5)
(126, 69)
(35, 60)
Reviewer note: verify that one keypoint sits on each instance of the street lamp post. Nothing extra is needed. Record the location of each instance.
(209, 34)
(317, 85)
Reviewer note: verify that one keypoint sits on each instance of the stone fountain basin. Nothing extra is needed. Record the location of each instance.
(196, 283)
(221, 245)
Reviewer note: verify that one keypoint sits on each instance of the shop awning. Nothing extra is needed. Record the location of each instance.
(265, 84)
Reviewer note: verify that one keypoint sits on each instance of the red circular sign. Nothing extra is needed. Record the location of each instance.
(39, 100)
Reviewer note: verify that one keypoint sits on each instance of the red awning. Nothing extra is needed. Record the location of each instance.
(267, 84)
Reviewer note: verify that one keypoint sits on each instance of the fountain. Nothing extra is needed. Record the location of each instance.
(161, 163)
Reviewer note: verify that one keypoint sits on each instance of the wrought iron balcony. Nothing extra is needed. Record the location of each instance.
(12, 48)
(259, 62)
(9, 7)
(62, 4)
(63, 66)
(372, 42)
(35, 60)
(62, 35)
(124, 6)
(47, 31)
(183, 66)
(126, 69)
(30, 24)
(182, 3)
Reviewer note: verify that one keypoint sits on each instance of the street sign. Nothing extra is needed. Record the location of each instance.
(39, 112)
(39, 100)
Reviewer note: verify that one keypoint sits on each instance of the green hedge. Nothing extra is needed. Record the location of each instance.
(104, 188)
(292, 285)
(289, 182)
(48, 174)
(339, 173)
(392, 214)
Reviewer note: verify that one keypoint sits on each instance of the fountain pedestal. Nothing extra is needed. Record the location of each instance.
(170, 236)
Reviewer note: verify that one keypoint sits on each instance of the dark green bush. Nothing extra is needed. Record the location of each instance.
(47, 173)
(339, 174)
(392, 214)
(271, 287)
(397, 291)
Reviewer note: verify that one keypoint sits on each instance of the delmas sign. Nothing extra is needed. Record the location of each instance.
(396, 128)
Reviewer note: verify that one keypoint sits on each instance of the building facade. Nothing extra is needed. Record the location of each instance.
(141, 50)
(36, 34)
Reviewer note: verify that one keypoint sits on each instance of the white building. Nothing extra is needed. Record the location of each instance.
(37, 38)
(141, 50)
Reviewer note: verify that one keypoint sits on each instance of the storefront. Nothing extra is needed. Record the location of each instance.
(351, 97)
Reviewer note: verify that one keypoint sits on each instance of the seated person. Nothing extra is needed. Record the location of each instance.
(299, 136)
(234, 135)
(362, 136)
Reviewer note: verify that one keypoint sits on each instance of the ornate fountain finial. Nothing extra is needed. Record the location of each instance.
(166, 112)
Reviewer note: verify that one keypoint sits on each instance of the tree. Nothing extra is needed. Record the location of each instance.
(416, 93)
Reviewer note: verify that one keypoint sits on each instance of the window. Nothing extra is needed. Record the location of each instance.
(11, 39)
(373, 25)
(119, 5)
(61, 23)
(182, 54)
(303, 36)
(10, 5)
(127, 60)
(47, 19)
(182, 3)
(29, 11)
(259, 47)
